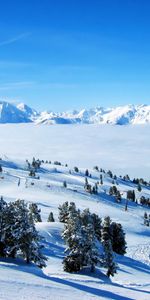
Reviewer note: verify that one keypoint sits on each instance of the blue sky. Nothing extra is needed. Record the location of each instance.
(66, 54)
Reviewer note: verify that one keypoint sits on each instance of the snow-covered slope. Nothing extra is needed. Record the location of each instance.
(122, 115)
(22, 281)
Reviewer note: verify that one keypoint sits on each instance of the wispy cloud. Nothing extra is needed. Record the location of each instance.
(33, 84)
(59, 85)
(14, 39)
(17, 85)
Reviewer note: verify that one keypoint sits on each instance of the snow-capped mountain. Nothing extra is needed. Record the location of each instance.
(9, 113)
(122, 115)
(28, 111)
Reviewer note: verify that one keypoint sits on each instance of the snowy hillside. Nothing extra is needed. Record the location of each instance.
(22, 281)
(123, 115)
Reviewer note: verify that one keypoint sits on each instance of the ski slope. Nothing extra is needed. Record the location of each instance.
(20, 281)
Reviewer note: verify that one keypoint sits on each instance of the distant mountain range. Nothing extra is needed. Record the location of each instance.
(121, 115)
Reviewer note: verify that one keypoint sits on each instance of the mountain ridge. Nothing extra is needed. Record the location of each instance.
(120, 115)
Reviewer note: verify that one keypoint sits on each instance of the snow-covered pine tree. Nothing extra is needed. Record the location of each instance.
(118, 238)
(35, 212)
(10, 230)
(108, 262)
(146, 220)
(3, 207)
(79, 234)
(26, 237)
(72, 236)
(51, 217)
(97, 223)
(89, 248)
(63, 212)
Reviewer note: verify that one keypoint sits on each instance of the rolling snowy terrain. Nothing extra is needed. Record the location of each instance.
(20, 281)
(122, 115)
(124, 150)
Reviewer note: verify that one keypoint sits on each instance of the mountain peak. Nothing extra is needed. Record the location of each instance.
(120, 115)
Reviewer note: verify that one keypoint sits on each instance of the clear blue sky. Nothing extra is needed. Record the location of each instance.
(65, 54)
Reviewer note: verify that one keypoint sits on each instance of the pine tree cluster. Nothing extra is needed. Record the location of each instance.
(18, 235)
(90, 242)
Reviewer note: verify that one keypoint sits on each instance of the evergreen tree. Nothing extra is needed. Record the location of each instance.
(76, 169)
(131, 195)
(26, 237)
(139, 187)
(63, 212)
(65, 184)
(118, 238)
(50, 217)
(118, 196)
(35, 212)
(97, 224)
(109, 262)
(72, 236)
(79, 235)
(146, 219)
(3, 207)
(86, 173)
(101, 179)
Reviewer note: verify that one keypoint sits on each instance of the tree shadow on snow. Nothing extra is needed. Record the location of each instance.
(20, 265)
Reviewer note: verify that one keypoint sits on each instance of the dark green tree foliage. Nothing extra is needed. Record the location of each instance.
(86, 173)
(51, 218)
(72, 236)
(109, 262)
(146, 219)
(97, 224)
(63, 212)
(86, 236)
(113, 190)
(118, 238)
(19, 234)
(3, 207)
(36, 163)
(118, 197)
(76, 169)
(35, 212)
(80, 238)
(131, 195)
(139, 187)
(101, 179)
(65, 184)
(96, 168)
(110, 174)
(145, 201)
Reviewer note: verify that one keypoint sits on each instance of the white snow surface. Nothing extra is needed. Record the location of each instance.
(84, 146)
